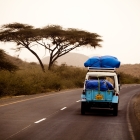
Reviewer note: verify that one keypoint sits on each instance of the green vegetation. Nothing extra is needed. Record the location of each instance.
(31, 80)
(128, 79)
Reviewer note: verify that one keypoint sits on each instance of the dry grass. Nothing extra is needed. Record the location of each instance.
(132, 69)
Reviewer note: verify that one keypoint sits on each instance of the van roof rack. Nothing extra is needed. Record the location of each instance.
(101, 69)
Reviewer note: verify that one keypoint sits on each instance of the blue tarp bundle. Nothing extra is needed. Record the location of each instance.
(102, 85)
(103, 62)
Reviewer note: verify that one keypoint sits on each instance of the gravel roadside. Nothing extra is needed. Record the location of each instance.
(136, 106)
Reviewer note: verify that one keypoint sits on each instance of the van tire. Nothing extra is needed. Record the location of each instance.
(115, 109)
(83, 108)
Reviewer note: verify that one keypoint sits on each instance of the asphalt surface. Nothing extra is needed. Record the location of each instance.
(57, 117)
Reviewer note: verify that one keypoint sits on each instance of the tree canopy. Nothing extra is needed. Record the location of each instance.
(57, 40)
(23, 35)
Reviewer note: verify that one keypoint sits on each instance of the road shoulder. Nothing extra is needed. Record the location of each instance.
(134, 113)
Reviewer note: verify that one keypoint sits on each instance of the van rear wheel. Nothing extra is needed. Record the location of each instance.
(83, 108)
(115, 109)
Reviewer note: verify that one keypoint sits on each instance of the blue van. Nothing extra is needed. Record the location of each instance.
(101, 90)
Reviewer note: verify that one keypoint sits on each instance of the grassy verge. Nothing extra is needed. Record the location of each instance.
(31, 80)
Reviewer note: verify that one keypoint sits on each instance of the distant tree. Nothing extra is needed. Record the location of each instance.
(6, 64)
(23, 35)
(54, 38)
(60, 41)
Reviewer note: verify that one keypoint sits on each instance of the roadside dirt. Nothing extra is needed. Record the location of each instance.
(136, 105)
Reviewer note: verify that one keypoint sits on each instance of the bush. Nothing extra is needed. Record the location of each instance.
(128, 79)
(31, 80)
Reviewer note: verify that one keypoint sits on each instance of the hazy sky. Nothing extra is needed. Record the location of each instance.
(117, 21)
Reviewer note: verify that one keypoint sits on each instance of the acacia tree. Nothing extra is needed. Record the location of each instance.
(23, 35)
(60, 41)
(54, 38)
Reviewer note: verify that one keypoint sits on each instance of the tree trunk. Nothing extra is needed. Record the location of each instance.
(41, 64)
(52, 60)
(50, 65)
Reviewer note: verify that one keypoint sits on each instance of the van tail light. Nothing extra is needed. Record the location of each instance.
(117, 94)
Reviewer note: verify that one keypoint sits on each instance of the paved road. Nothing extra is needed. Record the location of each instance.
(57, 117)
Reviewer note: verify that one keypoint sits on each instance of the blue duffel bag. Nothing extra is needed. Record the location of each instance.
(103, 62)
(102, 85)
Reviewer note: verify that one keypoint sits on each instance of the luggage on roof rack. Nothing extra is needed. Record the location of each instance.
(103, 62)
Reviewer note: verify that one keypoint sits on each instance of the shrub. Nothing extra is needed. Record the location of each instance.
(31, 80)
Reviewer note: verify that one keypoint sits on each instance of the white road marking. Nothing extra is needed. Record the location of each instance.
(78, 101)
(40, 120)
(63, 108)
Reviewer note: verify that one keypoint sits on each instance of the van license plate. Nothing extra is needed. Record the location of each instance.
(99, 97)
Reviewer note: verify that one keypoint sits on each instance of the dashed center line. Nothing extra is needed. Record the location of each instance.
(63, 108)
(40, 120)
